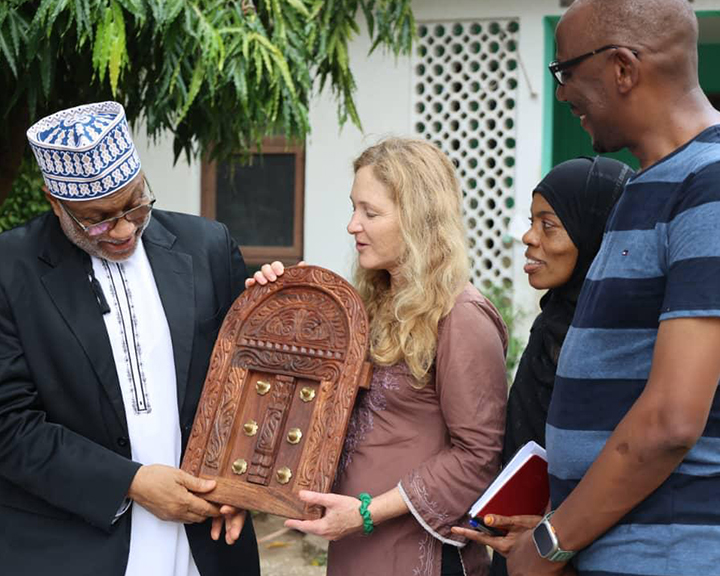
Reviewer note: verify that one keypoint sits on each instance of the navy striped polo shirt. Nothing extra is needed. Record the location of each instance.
(660, 259)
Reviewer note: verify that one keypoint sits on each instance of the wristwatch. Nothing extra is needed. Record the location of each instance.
(546, 542)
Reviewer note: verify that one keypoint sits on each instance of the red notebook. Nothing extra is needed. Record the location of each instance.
(521, 488)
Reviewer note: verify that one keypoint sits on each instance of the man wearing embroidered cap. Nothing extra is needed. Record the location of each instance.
(108, 315)
(89, 162)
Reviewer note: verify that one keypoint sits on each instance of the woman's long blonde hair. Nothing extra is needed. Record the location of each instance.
(433, 266)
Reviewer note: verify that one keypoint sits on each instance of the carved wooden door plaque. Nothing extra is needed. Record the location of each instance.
(283, 378)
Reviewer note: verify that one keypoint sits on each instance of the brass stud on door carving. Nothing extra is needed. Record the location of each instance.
(239, 466)
(250, 428)
(262, 387)
(284, 474)
(307, 394)
(294, 435)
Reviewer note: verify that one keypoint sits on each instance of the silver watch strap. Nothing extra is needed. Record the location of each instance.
(557, 555)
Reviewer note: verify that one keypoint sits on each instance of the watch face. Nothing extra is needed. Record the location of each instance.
(543, 540)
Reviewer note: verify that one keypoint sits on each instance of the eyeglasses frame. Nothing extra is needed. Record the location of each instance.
(115, 219)
(557, 66)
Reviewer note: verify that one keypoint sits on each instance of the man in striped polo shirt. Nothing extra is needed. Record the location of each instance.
(634, 426)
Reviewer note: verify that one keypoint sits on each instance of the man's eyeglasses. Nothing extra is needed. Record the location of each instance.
(557, 68)
(137, 215)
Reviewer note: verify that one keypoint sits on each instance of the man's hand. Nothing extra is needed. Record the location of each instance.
(342, 516)
(168, 494)
(234, 520)
(524, 560)
(515, 526)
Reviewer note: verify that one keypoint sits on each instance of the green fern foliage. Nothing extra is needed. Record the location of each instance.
(220, 74)
(27, 198)
(502, 300)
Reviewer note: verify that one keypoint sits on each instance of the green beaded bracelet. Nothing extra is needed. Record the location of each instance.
(365, 500)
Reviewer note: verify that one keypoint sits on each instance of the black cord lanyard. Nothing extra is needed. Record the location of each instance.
(97, 289)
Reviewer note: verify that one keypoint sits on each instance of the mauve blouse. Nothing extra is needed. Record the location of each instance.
(440, 445)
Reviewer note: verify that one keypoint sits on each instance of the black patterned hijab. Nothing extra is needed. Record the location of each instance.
(582, 192)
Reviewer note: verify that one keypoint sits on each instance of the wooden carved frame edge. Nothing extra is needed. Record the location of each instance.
(318, 472)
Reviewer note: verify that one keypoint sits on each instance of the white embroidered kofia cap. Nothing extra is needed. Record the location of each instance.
(86, 152)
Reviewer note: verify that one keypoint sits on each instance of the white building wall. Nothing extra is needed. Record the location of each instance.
(176, 187)
(383, 103)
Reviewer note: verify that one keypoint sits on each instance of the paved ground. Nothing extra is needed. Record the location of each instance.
(287, 552)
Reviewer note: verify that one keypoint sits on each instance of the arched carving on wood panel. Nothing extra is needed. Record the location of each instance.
(310, 325)
(306, 318)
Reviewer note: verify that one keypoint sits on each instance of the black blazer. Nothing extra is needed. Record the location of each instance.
(65, 462)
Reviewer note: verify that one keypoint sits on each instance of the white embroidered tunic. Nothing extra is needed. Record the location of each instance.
(142, 349)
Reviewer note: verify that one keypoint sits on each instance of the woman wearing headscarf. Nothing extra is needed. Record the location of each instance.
(570, 208)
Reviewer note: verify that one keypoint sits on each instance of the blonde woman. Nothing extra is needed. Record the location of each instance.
(425, 440)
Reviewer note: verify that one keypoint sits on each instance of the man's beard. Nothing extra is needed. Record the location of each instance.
(92, 246)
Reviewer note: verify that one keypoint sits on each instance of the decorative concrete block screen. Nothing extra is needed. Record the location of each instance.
(465, 83)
